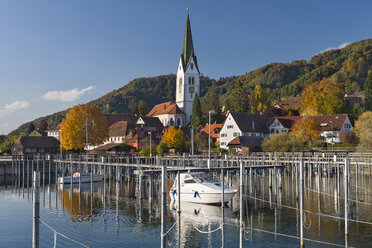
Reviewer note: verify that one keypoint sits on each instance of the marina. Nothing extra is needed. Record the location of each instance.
(133, 204)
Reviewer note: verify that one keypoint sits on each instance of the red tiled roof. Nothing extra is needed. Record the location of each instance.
(330, 122)
(165, 108)
(215, 130)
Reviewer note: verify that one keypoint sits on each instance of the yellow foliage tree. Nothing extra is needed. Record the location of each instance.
(73, 127)
(324, 97)
(259, 99)
(307, 129)
(174, 138)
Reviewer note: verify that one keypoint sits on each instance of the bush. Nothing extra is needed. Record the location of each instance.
(283, 142)
(162, 148)
(146, 150)
(219, 150)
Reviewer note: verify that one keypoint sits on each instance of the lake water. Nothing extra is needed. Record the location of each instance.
(117, 217)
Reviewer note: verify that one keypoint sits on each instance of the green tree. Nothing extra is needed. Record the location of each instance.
(283, 142)
(212, 102)
(368, 91)
(73, 127)
(363, 130)
(239, 99)
(259, 100)
(142, 108)
(162, 148)
(30, 128)
(196, 116)
(6, 146)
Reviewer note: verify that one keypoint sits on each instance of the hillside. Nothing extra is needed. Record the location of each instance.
(348, 66)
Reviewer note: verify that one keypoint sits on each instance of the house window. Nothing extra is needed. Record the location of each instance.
(192, 66)
(180, 80)
(28, 149)
(235, 134)
(223, 134)
(192, 80)
(223, 143)
(230, 126)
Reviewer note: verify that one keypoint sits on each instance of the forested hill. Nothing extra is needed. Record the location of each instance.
(348, 66)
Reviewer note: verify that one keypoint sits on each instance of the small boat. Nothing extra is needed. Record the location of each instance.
(83, 177)
(199, 187)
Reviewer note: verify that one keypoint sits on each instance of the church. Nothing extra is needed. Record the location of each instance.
(187, 86)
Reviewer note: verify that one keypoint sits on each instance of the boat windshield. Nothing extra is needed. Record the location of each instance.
(204, 178)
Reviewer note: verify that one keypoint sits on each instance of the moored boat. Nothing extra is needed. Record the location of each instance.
(199, 187)
(82, 177)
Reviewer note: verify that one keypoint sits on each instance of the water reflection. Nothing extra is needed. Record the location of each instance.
(119, 209)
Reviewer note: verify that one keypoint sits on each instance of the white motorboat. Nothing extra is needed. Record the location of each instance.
(199, 187)
(82, 177)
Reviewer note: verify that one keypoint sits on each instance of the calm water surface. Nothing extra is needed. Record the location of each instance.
(116, 216)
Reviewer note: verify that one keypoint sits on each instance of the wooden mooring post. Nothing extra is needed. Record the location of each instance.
(36, 209)
(301, 201)
(163, 205)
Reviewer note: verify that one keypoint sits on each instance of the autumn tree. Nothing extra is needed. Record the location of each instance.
(307, 129)
(73, 127)
(196, 116)
(42, 126)
(174, 138)
(259, 100)
(363, 130)
(325, 97)
(368, 91)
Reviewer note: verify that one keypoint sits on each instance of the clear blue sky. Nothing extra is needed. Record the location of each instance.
(56, 54)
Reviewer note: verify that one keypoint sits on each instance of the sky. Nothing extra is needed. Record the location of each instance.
(56, 54)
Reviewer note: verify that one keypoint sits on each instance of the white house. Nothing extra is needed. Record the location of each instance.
(332, 126)
(243, 124)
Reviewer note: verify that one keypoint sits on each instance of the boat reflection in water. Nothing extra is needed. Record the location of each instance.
(196, 220)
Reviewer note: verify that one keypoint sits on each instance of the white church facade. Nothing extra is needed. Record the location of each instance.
(187, 86)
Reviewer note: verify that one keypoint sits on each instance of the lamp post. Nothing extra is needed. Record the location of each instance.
(61, 142)
(150, 144)
(86, 136)
(211, 112)
(332, 133)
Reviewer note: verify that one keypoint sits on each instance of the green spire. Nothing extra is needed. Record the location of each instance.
(188, 47)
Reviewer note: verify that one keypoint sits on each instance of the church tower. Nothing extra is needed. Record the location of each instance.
(188, 75)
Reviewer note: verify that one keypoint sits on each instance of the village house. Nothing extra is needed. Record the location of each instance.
(243, 124)
(169, 114)
(331, 126)
(215, 131)
(28, 145)
(244, 144)
(53, 132)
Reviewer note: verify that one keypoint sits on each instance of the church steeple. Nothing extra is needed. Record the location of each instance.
(188, 46)
(188, 75)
